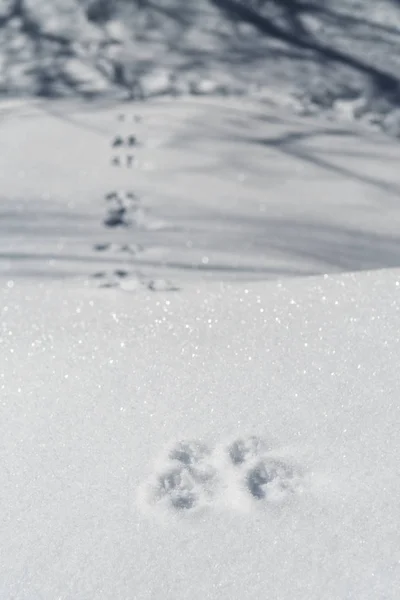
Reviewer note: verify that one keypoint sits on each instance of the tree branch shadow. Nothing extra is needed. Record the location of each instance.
(304, 39)
(287, 145)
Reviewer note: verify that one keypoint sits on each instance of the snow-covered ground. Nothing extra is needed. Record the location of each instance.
(224, 189)
(227, 437)
(225, 442)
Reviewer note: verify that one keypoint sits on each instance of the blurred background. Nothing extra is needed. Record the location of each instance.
(175, 139)
(318, 51)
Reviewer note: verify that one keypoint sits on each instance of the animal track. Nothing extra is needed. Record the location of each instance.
(271, 479)
(187, 480)
(263, 475)
(124, 209)
(119, 141)
(131, 282)
(122, 198)
(117, 161)
(162, 285)
(120, 205)
(135, 118)
(117, 278)
(178, 486)
(195, 476)
(189, 452)
(116, 218)
(242, 449)
(111, 247)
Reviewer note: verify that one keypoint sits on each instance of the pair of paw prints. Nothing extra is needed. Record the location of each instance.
(245, 470)
(131, 282)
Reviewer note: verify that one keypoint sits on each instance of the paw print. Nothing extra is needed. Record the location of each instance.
(187, 481)
(271, 479)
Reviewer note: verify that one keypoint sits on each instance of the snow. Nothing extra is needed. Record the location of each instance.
(226, 189)
(223, 441)
(172, 425)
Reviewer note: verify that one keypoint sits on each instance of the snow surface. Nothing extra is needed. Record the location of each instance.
(225, 441)
(226, 189)
(170, 432)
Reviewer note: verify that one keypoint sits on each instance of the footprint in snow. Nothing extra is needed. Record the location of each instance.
(119, 141)
(187, 480)
(119, 278)
(161, 285)
(259, 472)
(131, 282)
(245, 448)
(245, 470)
(123, 248)
(271, 479)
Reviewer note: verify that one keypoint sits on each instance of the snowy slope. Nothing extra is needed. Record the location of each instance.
(101, 498)
(227, 189)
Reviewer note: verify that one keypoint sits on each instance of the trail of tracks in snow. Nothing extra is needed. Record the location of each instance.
(227, 189)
